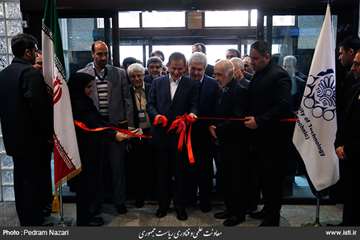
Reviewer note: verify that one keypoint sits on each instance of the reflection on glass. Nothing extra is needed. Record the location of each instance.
(6, 162)
(163, 19)
(253, 17)
(9, 46)
(131, 51)
(1, 13)
(2, 27)
(129, 20)
(226, 18)
(3, 61)
(275, 48)
(13, 27)
(3, 47)
(309, 30)
(8, 193)
(7, 178)
(2, 147)
(283, 20)
(12, 10)
(215, 52)
(169, 49)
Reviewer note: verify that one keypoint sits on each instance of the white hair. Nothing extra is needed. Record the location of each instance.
(198, 57)
(136, 67)
(238, 62)
(290, 59)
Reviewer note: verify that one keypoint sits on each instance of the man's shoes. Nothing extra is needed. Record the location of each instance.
(121, 209)
(270, 222)
(222, 215)
(160, 213)
(233, 221)
(139, 203)
(181, 214)
(205, 207)
(258, 215)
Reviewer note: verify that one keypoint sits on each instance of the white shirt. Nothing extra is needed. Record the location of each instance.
(173, 86)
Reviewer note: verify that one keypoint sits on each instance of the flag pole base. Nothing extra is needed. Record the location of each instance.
(314, 224)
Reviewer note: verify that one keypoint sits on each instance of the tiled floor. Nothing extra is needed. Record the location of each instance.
(291, 215)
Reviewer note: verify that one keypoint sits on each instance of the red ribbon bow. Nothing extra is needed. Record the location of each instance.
(180, 124)
(160, 119)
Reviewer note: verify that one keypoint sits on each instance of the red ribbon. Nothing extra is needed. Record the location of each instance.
(124, 131)
(160, 119)
(180, 125)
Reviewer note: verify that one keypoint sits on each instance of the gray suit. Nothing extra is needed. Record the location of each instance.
(120, 110)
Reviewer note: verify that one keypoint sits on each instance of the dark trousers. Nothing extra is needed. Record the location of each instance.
(46, 179)
(351, 211)
(271, 174)
(114, 173)
(234, 158)
(141, 170)
(202, 172)
(28, 185)
(173, 173)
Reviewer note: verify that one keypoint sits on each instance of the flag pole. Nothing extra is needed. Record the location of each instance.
(317, 216)
(62, 222)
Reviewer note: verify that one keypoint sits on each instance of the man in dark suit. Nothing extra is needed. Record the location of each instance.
(269, 101)
(347, 148)
(140, 167)
(26, 121)
(233, 150)
(171, 96)
(203, 145)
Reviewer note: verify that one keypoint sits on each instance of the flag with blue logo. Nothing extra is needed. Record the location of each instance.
(315, 130)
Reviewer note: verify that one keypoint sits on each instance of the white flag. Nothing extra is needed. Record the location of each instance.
(315, 130)
(66, 153)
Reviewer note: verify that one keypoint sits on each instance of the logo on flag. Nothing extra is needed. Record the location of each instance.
(320, 95)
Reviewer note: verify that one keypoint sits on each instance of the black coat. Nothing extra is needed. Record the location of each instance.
(231, 102)
(349, 131)
(25, 109)
(269, 96)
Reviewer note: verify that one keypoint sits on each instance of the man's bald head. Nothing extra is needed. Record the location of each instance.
(223, 72)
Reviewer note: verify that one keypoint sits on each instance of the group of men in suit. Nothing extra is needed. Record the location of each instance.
(263, 104)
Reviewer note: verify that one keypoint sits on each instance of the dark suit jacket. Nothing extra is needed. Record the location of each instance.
(209, 89)
(269, 96)
(231, 102)
(136, 112)
(25, 110)
(348, 133)
(185, 100)
(209, 70)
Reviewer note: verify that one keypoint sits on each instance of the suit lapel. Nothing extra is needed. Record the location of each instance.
(178, 91)
(166, 92)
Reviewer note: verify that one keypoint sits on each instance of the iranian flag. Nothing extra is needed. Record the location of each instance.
(66, 153)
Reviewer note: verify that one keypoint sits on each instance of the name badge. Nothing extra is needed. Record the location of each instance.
(142, 116)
